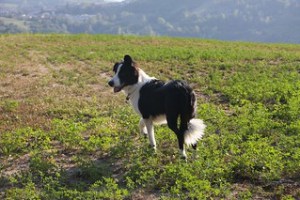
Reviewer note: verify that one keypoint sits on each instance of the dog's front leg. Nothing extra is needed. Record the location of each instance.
(150, 130)
(142, 125)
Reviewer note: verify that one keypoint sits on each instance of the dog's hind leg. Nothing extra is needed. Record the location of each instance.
(184, 119)
(142, 126)
(194, 146)
(180, 138)
(172, 124)
(150, 130)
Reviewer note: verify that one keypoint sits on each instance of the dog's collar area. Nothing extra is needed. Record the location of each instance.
(127, 98)
(129, 95)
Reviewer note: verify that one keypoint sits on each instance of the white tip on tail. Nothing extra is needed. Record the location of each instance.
(195, 131)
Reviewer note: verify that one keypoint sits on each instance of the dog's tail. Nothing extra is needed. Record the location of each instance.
(194, 132)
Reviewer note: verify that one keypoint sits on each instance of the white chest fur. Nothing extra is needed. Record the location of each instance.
(134, 100)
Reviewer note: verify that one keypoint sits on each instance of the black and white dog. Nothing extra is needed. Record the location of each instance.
(158, 102)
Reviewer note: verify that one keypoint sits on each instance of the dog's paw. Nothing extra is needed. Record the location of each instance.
(183, 155)
(184, 158)
(153, 147)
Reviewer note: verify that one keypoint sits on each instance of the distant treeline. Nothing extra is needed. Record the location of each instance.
(255, 20)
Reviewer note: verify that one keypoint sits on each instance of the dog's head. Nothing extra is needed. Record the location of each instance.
(126, 74)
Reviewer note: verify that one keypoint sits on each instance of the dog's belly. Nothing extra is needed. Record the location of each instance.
(160, 119)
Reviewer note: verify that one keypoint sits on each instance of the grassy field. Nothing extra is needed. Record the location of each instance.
(64, 134)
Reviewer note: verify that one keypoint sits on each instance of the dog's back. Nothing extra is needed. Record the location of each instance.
(173, 98)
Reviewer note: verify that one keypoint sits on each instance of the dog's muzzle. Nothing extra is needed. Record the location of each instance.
(111, 83)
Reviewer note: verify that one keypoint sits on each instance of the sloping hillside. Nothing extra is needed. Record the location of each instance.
(247, 20)
(64, 134)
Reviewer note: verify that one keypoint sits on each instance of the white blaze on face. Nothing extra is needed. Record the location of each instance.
(115, 78)
(116, 81)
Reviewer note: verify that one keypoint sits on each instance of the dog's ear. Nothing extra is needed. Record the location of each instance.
(127, 60)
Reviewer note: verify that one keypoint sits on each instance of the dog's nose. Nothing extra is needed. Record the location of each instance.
(111, 83)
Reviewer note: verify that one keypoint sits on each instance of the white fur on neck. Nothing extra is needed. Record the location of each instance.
(133, 91)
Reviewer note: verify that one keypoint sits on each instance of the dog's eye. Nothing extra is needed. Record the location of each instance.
(115, 69)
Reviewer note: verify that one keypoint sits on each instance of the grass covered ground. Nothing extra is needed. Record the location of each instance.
(65, 135)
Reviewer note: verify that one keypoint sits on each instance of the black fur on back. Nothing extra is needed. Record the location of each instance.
(175, 98)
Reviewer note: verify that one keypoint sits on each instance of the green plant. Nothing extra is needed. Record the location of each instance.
(9, 105)
(23, 140)
(258, 161)
(29, 192)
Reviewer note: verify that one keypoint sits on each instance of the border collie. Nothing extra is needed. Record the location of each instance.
(158, 102)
